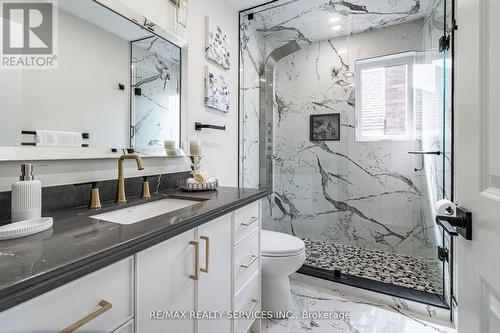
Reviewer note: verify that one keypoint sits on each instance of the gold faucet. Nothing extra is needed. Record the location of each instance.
(120, 195)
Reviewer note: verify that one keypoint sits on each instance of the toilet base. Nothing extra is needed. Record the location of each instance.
(276, 295)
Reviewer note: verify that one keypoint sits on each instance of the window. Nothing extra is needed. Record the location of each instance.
(384, 97)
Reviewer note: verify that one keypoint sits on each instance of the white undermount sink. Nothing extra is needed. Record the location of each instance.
(145, 211)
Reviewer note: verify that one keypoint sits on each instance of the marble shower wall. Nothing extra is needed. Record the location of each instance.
(252, 53)
(365, 194)
(304, 22)
(354, 193)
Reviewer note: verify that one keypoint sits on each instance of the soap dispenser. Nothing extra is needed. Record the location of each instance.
(26, 196)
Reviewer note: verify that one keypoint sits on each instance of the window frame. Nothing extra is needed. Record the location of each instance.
(403, 58)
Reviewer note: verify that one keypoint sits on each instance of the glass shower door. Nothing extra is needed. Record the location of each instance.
(341, 108)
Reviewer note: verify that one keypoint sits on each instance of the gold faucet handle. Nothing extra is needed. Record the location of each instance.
(146, 194)
(95, 199)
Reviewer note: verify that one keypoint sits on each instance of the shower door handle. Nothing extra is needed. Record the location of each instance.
(414, 152)
(450, 230)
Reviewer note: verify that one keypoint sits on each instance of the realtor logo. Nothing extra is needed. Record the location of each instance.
(28, 34)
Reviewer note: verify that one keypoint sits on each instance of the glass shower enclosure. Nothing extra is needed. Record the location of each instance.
(345, 119)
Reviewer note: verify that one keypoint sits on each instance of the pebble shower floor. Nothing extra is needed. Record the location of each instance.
(401, 270)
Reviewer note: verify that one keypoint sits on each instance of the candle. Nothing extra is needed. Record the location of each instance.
(194, 148)
(169, 144)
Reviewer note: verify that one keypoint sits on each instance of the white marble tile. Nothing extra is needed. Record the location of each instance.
(365, 194)
(359, 316)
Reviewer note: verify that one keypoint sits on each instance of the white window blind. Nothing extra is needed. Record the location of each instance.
(384, 98)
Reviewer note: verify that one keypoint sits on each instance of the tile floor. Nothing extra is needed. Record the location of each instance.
(382, 266)
(364, 317)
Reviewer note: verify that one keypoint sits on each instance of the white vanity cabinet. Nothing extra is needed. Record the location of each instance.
(99, 302)
(190, 272)
(214, 268)
(164, 283)
(214, 284)
(246, 267)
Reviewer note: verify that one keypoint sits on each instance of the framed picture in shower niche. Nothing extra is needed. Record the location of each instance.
(216, 89)
(325, 127)
(217, 44)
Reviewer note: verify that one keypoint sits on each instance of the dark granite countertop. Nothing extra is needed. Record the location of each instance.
(78, 245)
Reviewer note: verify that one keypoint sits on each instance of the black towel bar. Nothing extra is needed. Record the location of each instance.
(85, 136)
(199, 126)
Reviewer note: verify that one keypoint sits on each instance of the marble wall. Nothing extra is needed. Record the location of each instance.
(355, 193)
(366, 194)
(252, 53)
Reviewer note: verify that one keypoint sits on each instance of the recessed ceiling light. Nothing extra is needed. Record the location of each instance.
(335, 19)
(336, 27)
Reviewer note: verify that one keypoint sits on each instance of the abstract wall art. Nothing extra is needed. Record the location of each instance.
(217, 44)
(217, 91)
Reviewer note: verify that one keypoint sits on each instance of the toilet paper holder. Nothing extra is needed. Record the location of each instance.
(458, 223)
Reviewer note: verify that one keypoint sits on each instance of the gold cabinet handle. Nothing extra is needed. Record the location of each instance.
(252, 221)
(252, 260)
(103, 307)
(207, 253)
(196, 275)
(255, 303)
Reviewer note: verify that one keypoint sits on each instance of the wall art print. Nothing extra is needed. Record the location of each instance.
(325, 127)
(216, 89)
(217, 44)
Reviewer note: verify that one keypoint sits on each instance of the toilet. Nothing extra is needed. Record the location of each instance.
(282, 255)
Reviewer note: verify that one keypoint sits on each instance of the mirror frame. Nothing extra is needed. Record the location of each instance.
(29, 153)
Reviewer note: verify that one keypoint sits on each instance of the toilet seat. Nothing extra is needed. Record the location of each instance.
(277, 244)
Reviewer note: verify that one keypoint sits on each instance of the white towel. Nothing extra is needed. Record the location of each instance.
(192, 181)
(58, 139)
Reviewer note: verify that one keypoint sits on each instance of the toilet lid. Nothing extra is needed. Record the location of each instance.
(278, 244)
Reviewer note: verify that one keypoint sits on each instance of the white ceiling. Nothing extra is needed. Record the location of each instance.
(245, 4)
(307, 21)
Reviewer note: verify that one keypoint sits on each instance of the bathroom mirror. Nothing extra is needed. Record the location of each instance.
(113, 76)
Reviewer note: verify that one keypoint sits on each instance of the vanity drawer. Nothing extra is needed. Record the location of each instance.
(128, 327)
(246, 261)
(106, 293)
(246, 301)
(246, 221)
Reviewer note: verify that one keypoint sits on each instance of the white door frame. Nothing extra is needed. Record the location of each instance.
(477, 162)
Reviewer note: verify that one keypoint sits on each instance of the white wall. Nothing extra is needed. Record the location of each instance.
(220, 148)
(82, 95)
